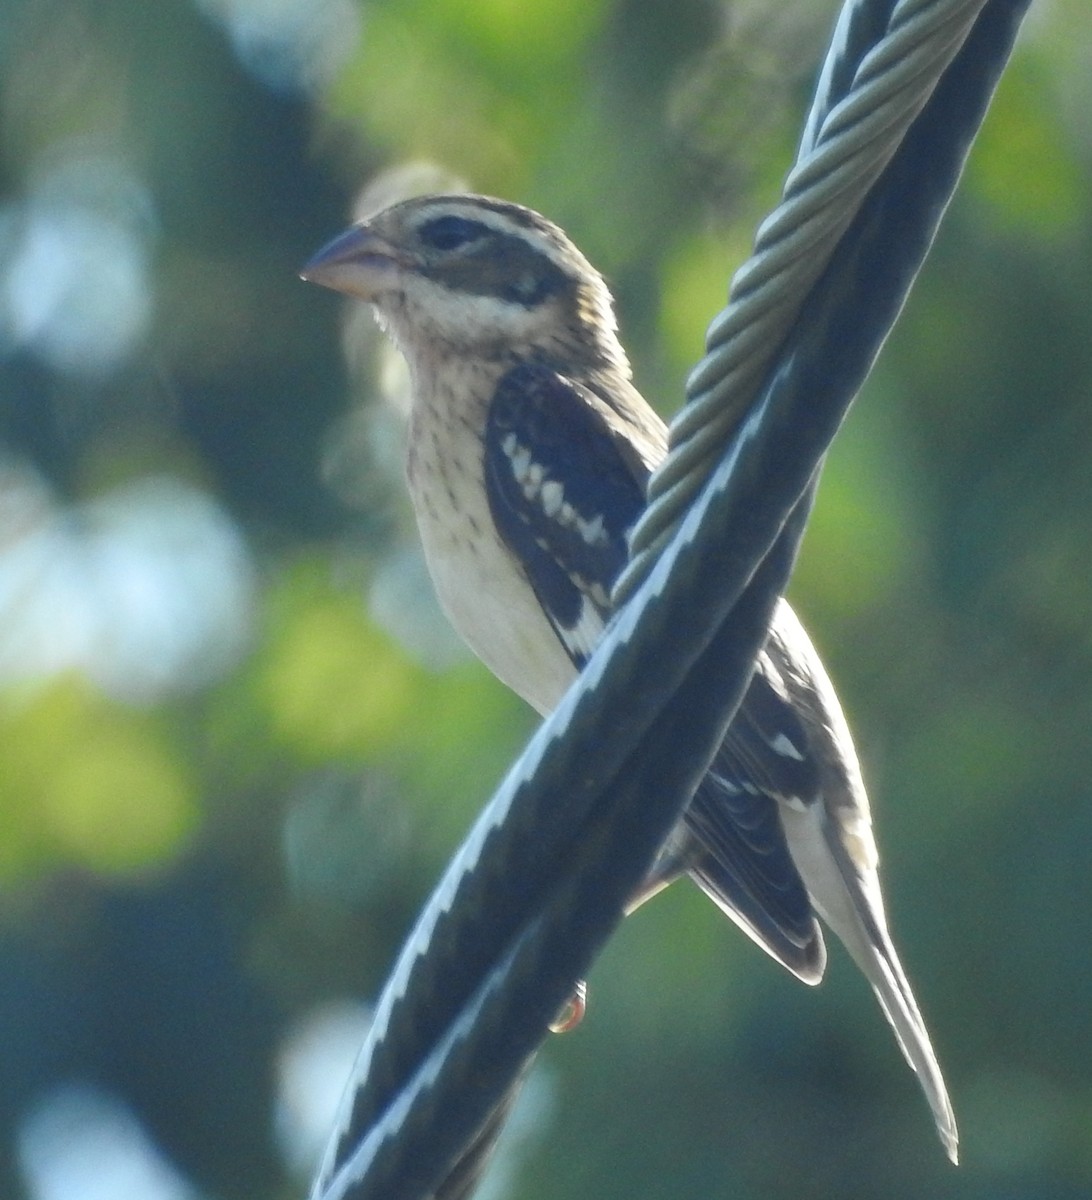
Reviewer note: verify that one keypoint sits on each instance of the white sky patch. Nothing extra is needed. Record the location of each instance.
(82, 1143)
(147, 590)
(75, 280)
(313, 1067)
(290, 43)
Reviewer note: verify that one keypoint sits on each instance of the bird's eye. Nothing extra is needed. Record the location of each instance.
(450, 232)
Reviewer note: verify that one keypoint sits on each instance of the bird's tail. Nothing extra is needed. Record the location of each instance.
(848, 899)
(881, 967)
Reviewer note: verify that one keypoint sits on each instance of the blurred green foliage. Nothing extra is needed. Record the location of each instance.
(237, 744)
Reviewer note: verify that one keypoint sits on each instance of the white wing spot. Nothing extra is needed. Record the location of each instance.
(580, 639)
(599, 595)
(724, 783)
(593, 532)
(784, 746)
(520, 459)
(550, 494)
(553, 496)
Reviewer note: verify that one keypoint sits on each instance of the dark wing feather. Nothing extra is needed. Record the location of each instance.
(550, 442)
(744, 860)
(561, 496)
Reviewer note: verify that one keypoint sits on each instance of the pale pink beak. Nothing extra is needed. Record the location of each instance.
(359, 262)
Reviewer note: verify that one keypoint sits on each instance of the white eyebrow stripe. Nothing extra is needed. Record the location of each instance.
(498, 222)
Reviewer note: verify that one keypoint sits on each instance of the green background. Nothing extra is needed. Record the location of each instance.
(237, 743)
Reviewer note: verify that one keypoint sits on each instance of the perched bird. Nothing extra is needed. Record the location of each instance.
(529, 451)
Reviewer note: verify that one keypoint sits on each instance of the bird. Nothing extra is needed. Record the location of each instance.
(528, 451)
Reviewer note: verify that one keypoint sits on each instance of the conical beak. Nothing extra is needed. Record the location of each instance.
(359, 263)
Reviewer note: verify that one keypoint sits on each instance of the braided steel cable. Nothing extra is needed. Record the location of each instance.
(846, 146)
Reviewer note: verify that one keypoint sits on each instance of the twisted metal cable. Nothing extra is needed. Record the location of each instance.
(403, 1151)
(840, 158)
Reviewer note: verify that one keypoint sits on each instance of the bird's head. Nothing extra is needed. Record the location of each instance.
(468, 275)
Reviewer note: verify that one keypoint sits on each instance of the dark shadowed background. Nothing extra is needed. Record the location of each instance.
(237, 742)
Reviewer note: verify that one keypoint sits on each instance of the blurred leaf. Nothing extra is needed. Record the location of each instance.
(89, 782)
(1023, 164)
(440, 80)
(463, 733)
(695, 288)
(334, 684)
(862, 546)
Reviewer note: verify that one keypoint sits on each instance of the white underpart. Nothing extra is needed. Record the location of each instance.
(481, 587)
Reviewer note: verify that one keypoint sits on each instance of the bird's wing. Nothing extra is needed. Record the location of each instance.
(565, 487)
(763, 763)
(562, 497)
